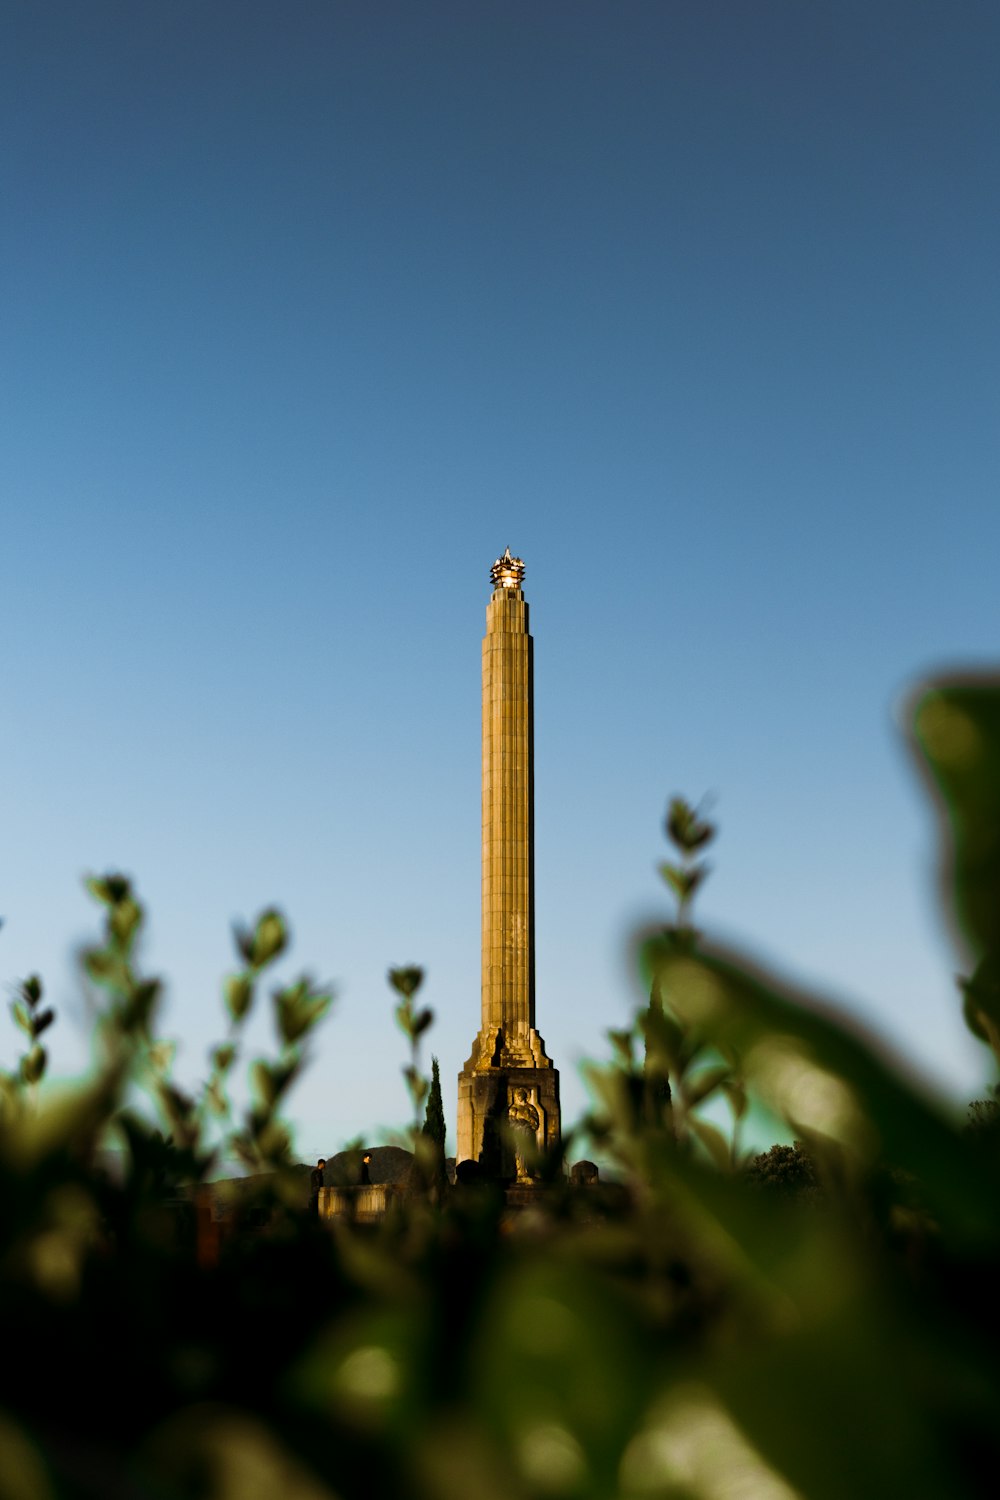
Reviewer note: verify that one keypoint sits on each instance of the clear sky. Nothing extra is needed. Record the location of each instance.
(309, 310)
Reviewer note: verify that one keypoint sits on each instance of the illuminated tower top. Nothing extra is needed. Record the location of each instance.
(507, 572)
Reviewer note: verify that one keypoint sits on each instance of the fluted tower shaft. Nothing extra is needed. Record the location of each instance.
(508, 993)
(508, 1068)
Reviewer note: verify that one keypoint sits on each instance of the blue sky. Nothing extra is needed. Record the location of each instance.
(309, 311)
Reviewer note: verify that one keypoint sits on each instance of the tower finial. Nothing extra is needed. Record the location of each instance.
(507, 572)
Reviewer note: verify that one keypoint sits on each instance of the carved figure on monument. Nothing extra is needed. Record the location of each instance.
(523, 1119)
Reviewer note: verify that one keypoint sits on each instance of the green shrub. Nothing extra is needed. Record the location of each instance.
(678, 1333)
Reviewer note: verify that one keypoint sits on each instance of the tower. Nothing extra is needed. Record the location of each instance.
(508, 1055)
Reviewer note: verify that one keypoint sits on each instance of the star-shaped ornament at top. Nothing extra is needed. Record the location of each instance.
(507, 572)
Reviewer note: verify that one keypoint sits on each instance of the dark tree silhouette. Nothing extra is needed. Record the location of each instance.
(785, 1170)
(434, 1125)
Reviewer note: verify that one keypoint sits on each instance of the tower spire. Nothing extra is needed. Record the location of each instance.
(508, 1057)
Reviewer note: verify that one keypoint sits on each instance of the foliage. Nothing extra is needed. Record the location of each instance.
(680, 1333)
(33, 1021)
(413, 1023)
(689, 832)
(434, 1126)
(787, 1170)
(984, 1116)
(683, 1068)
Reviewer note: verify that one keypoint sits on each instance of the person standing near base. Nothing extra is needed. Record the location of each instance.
(316, 1179)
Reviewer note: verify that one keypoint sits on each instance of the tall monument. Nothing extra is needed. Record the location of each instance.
(508, 1089)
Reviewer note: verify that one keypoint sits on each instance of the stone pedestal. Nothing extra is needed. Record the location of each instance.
(485, 1096)
(507, 1054)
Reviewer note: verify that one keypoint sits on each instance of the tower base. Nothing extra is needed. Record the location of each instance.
(485, 1096)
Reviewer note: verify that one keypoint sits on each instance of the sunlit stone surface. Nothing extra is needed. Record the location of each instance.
(508, 1055)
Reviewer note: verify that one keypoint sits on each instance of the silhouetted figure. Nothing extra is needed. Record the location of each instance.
(316, 1177)
(468, 1173)
(366, 1176)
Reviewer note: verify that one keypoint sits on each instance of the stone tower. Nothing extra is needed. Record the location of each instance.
(508, 1055)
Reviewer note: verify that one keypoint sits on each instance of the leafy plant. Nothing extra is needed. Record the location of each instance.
(677, 1333)
(413, 1023)
(682, 1069)
(29, 1016)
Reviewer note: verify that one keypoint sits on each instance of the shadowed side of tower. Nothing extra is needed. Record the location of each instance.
(508, 1079)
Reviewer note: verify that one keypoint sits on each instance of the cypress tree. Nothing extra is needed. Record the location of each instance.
(434, 1126)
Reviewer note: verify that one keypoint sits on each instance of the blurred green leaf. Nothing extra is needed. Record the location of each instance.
(109, 889)
(417, 1085)
(238, 993)
(698, 1088)
(161, 1056)
(223, 1057)
(124, 920)
(406, 981)
(664, 1037)
(982, 998)
(179, 1107)
(140, 1004)
(683, 882)
(619, 1094)
(956, 735)
(273, 1139)
(686, 828)
(974, 1017)
(272, 1079)
(712, 1138)
(216, 1099)
(822, 1077)
(33, 1064)
(561, 1365)
(298, 1008)
(623, 1043)
(24, 1472)
(30, 990)
(270, 938)
(100, 964)
(737, 1096)
(366, 1370)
